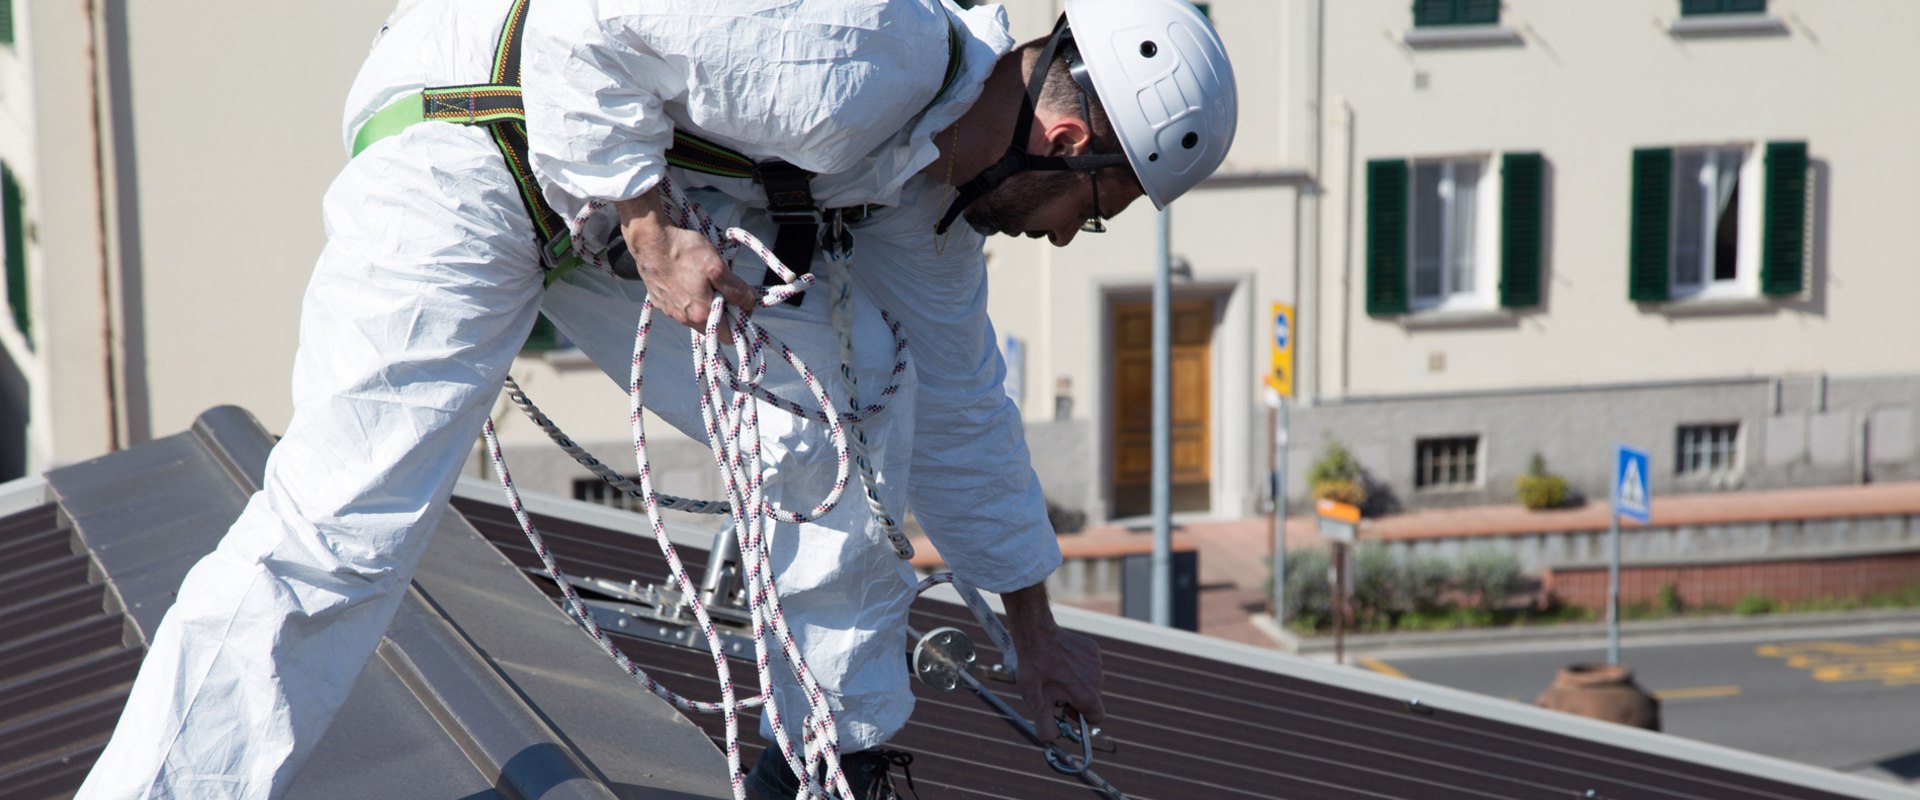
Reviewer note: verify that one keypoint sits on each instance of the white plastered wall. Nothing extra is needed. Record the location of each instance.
(1585, 85)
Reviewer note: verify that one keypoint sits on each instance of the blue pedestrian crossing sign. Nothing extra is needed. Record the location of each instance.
(1631, 497)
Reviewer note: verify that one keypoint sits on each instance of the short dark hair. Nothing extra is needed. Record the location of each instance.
(1061, 95)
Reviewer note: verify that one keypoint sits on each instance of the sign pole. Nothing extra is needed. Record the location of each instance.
(1339, 568)
(1631, 497)
(1162, 564)
(1279, 598)
(1279, 389)
(1613, 579)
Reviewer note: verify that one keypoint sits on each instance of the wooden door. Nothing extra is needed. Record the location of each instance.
(1191, 391)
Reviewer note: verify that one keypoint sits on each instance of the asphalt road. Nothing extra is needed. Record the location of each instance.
(1848, 702)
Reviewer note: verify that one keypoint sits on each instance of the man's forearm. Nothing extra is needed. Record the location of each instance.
(1028, 611)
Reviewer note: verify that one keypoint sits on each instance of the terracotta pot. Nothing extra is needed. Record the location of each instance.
(1602, 691)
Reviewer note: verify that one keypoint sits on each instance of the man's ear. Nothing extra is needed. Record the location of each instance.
(1068, 136)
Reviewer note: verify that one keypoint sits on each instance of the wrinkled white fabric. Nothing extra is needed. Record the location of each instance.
(425, 291)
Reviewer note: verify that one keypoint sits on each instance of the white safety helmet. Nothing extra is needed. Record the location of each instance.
(1162, 75)
(1163, 78)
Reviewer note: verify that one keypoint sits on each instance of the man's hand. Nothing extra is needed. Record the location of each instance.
(680, 267)
(1057, 668)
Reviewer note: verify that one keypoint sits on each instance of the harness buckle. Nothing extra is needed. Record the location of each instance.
(789, 193)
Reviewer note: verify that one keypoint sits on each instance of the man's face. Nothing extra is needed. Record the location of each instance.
(1050, 204)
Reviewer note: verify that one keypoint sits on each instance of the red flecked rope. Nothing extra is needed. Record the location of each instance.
(731, 418)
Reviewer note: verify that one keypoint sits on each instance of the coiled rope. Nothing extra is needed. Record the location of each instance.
(728, 389)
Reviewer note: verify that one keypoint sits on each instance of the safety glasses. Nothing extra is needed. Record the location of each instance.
(1097, 222)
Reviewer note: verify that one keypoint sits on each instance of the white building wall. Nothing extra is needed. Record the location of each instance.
(1585, 85)
(236, 108)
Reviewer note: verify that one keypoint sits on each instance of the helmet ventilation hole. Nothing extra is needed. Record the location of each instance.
(1153, 156)
(1188, 141)
(1148, 49)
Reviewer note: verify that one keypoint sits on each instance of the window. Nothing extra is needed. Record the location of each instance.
(6, 22)
(1717, 222)
(1440, 231)
(594, 490)
(1451, 462)
(1428, 13)
(1448, 246)
(1690, 8)
(1711, 250)
(1705, 450)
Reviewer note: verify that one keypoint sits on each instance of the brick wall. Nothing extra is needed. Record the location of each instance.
(1725, 584)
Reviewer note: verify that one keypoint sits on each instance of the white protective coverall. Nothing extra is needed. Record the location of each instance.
(428, 286)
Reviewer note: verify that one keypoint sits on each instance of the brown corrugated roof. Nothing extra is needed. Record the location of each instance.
(64, 672)
(1187, 726)
(1191, 720)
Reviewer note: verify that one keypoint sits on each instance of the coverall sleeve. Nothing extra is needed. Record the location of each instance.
(594, 91)
(973, 486)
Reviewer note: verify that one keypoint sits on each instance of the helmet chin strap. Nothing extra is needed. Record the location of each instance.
(1017, 159)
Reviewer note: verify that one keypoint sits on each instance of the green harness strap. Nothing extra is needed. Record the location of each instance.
(497, 107)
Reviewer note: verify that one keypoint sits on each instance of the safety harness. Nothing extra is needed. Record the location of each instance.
(497, 106)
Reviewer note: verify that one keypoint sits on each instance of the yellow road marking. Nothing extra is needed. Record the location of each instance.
(1892, 662)
(1381, 667)
(1696, 692)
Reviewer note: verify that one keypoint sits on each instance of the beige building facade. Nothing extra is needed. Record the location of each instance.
(1508, 229)
(169, 161)
(168, 223)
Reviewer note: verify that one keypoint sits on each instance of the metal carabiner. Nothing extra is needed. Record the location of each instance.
(1057, 758)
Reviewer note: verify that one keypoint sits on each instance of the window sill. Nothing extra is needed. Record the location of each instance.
(1441, 37)
(1703, 306)
(1719, 25)
(1458, 318)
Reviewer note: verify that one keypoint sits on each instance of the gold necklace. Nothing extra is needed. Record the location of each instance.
(940, 240)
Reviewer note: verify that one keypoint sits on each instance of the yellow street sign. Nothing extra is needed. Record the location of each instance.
(1280, 344)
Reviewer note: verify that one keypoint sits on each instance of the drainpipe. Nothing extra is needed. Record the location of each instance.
(97, 74)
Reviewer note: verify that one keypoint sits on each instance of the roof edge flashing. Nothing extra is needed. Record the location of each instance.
(24, 494)
(238, 441)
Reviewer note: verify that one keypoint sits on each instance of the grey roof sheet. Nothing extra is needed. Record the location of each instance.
(478, 690)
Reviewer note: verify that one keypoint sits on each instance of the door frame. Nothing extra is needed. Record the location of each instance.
(1228, 473)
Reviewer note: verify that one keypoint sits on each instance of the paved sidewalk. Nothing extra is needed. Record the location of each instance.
(1234, 553)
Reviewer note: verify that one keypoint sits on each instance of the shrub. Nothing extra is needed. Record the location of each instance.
(1337, 475)
(1379, 583)
(1488, 575)
(1307, 591)
(1670, 598)
(1426, 582)
(1754, 604)
(1540, 489)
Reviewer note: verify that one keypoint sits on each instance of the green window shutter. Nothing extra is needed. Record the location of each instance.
(1694, 7)
(14, 219)
(1387, 237)
(1650, 254)
(1479, 12)
(1784, 228)
(6, 22)
(1522, 201)
(1455, 12)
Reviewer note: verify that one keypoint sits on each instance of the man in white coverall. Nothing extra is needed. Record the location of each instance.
(432, 277)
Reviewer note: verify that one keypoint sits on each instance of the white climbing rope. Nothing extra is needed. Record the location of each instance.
(728, 389)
